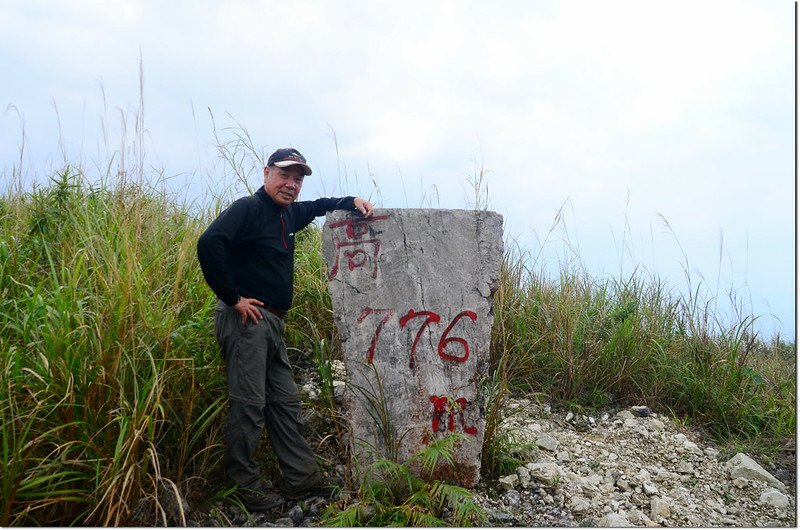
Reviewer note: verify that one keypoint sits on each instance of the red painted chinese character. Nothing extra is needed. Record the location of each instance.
(357, 251)
(442, 405)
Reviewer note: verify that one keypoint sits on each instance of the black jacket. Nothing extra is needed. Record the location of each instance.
(249, 249)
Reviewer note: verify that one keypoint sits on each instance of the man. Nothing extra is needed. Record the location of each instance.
(247, 258)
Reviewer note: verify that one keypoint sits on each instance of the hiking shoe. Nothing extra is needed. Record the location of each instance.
(258, 500)
(327, 488)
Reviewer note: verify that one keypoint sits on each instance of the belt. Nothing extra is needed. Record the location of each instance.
(280, 313)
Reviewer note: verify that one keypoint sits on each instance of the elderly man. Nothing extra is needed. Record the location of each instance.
(247, 258)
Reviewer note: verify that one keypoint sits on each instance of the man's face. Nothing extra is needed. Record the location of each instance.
(283, 183)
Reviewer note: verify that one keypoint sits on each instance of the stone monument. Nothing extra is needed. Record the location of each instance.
(412, 300)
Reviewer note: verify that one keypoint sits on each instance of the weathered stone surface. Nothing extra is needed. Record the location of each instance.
(659, 508)
(613, 520)
(638, 518)
(774, 498)
(547, 442)
(509, 482)
(743, 466)
(296, 515)
(545, 472)
(412, 300)
(524, 476)
(579, 504)
(649, 488)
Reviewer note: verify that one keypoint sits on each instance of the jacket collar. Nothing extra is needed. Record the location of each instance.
(261, 193)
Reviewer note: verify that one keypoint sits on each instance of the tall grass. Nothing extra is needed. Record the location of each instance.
(110, 380)
(592, 343)
(112, 389)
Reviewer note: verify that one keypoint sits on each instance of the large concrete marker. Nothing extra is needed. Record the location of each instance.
(412, 300)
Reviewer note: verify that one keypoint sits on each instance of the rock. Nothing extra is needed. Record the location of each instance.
(498, 516)
(649, 489)
(339, 389)
(594, 480)
(296, 515)
(643, 476)
(509, 482)
(740, 482)
(338, 370)
(685, 467)
(284, 522)
(512, 498)
(394, 298)
(547, 442)
(625, 415)
(692, 447)
(237, 515)
(711, 452)
(656, 425)
(524, 476)
(742, 465)
(579, 504)
(716, 506)
(569, 416)
(774, 498)
(693, 520)
(612, 476)
(659, 508)
(310, 390)
(666, 476)
(638, 518)
(641, 411)
(545, 472)
(631, 423)
(316, 506)
(563, 456)
(613, 520)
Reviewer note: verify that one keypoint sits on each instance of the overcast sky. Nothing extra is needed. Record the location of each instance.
(662, 131)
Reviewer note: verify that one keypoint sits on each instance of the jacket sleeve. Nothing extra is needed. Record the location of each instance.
(307, 211)
(213, 251)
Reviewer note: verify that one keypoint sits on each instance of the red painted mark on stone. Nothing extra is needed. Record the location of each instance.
(357, 257)
(387, 314)
(443, 405)
(430, 316)
(355, 228)
(445, 340)
(469, 430)
(357, 250)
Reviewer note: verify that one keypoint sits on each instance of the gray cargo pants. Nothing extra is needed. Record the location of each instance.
(261, 390)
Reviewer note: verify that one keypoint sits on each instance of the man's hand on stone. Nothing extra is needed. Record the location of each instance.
(248, 308)
(363, 206)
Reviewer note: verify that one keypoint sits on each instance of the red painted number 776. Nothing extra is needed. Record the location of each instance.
(430, 317)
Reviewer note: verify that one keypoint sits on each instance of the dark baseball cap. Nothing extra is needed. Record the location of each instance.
(289, 157)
